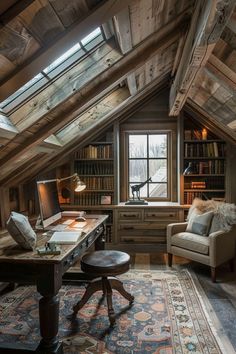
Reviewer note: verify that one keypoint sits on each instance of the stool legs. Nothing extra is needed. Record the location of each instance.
(118, 285)
(106, 284)
(111, 313)
(90, 290)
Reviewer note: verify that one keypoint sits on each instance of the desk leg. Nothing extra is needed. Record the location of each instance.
(49, 318)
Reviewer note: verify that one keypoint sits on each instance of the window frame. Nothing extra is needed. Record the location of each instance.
(168, 158)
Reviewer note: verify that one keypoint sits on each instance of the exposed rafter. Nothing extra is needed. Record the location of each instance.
(52, 51)
(124, 110)
(222, 71)
(208, 22)
(154, 44)
(123, 33)
(11, 9)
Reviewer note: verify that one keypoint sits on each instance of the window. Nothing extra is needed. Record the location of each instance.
(57, 67)
(148, 157)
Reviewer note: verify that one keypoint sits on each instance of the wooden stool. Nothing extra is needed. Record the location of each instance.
(105, 265)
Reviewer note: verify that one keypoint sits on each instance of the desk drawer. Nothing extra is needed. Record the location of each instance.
(167, 215)
(130, 215)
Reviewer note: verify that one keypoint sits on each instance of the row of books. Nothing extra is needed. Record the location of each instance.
(93, 198)
(213, 149)
(190, 196)
(214, 167)
(198, 184)
(94, 168)
(197, 134)
(95, 152)
(99, 182)
(212, 183)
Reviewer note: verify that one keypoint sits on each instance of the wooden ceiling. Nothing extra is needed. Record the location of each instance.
(186, 45)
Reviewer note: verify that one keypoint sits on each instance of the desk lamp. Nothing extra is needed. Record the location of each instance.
(79, 185)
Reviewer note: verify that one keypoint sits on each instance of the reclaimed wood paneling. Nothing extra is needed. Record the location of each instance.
(70, 11)
(41, 21)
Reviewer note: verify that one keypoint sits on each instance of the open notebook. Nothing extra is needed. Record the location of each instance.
(66, 237)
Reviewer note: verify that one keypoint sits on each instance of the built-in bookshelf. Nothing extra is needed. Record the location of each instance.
(204, 164)
(95, 166)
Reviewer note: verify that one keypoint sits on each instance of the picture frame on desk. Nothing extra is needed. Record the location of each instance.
(105, 199)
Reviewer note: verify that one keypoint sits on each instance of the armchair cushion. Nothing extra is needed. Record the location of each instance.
(200, 224)
(192, 242)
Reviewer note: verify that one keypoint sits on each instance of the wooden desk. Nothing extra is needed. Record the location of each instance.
(17, 265)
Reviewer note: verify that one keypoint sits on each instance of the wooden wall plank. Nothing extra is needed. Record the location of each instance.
(207, 24)
(41, 21)
(69, 12)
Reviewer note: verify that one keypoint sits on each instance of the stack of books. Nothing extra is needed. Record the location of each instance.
(198, 185)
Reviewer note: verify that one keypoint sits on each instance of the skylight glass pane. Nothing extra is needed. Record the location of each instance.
(91, 36)
(21, 90)
(62, 58)
(56, 67)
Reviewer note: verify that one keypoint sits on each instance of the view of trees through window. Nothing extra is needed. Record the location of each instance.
(147, 154)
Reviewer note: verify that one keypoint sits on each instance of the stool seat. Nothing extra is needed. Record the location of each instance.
(105, 265)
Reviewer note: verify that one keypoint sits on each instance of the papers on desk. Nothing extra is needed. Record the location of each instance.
(66, 237)
(79, 224)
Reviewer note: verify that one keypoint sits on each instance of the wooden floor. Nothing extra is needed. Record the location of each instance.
(222, 294)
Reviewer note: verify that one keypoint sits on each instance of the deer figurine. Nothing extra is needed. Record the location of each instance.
(136, 188)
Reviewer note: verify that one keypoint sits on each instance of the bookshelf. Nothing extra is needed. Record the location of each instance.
(94, 164)
(203, 164)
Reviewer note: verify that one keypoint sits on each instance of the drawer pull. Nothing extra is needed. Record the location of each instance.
(128, 228)
(129, 215)
(129, 240)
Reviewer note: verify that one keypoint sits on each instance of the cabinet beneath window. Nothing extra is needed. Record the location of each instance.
(145, 225)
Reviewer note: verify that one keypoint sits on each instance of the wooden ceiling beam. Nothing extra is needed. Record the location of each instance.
(42, 58)
(7, 129)
(13, 11)
(208, 22)
(221, 71)
(154, 44)
(123, 34)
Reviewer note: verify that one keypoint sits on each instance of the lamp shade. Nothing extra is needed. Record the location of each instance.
(79, 185)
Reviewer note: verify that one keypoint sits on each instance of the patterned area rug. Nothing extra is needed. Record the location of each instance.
(168, 316)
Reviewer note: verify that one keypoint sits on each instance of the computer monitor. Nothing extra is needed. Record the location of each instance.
(50, 210)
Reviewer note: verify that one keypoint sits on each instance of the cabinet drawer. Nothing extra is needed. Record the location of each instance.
(130, 215)
(155, 215)
(141, 230)
(138, 239)
(142, 226)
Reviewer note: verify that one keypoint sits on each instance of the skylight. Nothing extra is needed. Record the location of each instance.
(91, 36)
(62, 58)
(52, 70)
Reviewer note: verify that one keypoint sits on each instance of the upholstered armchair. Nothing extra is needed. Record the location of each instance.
(213, 249)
